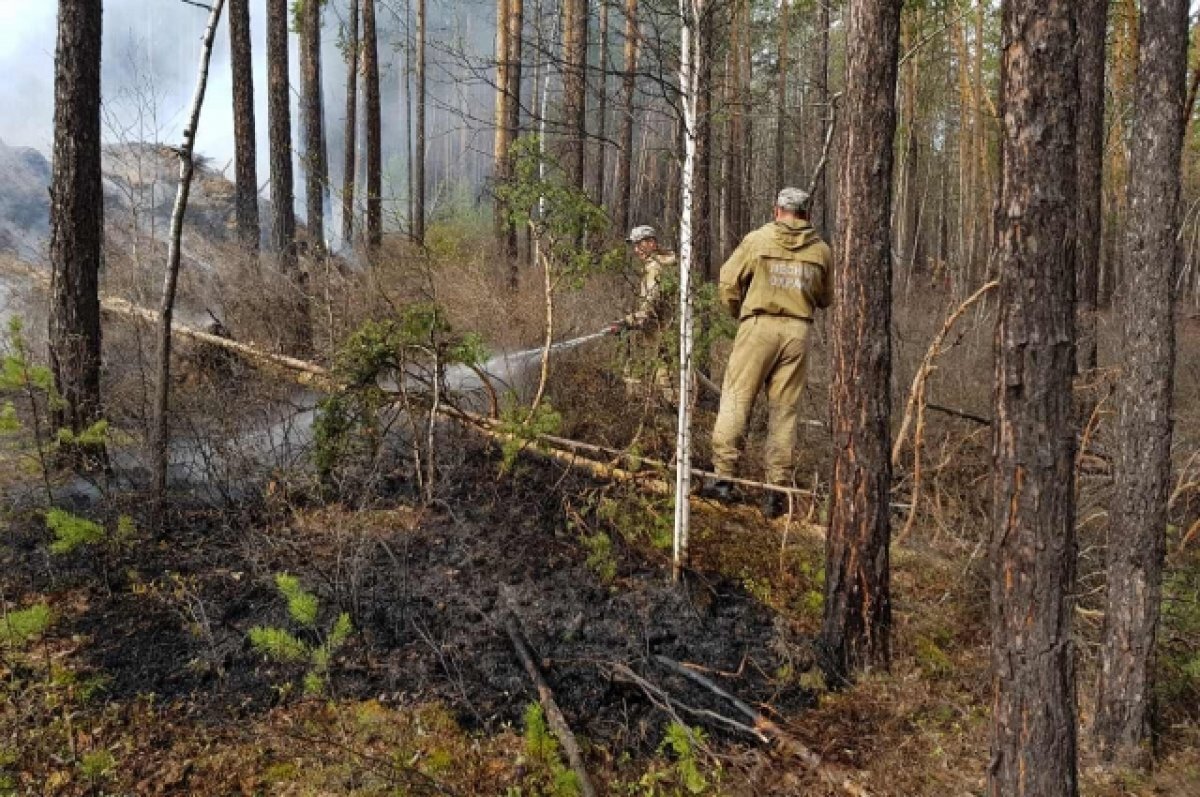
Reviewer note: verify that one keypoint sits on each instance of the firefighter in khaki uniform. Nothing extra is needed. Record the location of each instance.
(773, 283)
(652, 314)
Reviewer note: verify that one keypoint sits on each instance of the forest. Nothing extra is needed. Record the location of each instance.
(559, 398)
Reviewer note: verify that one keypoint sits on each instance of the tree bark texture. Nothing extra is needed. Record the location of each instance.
(244, 141)
(500, 171)
(575, 28)
(1033, 737)
(350, 139)
(283, 200)
(1138, 515)
(315, 156)
(601, 103)
(516, 29)
(629, 68)
(1093, 28)
(858, 610)
(418, 220)
(76, 216)
(166, 309)
(822, 209)
(702, 177)
(781, 113)
(374, 122)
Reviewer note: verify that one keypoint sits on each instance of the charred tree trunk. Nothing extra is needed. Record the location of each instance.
(858, 611)
(1033, 533)
(76, 218)
(1138, 516)
(374, 122)
(624, 186)
(1093, 28)
(351, 138)
(575, 28)
(298, 339)
(244, 142)
(315, 156)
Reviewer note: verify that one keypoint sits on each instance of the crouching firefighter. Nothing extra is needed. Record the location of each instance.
(773, 283)
(651, 317)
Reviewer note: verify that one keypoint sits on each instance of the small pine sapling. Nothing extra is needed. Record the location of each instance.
(284, 647)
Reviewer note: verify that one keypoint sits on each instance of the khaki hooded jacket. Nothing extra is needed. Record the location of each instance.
(781, 269)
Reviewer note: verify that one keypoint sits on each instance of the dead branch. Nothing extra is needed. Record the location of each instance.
(916, 404)
(554, 716)
(956, 413)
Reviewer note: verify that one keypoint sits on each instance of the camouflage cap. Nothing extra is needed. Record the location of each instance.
(793, 199)
(642, 233)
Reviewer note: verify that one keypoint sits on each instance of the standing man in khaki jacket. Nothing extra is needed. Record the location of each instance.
(652, 314)
(773, 284)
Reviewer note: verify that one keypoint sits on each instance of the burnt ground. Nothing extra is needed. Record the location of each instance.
(426, 589)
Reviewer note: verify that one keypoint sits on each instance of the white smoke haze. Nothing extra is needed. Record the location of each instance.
(151, 51)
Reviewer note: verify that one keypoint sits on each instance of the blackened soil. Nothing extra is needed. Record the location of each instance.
(427, 591)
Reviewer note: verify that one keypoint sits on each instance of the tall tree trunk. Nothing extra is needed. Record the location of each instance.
(187, 167)
(418, 221)
(1124, 711)
(76, 217)
(624, 186)
(298, 337)
(351, 137)
(575, 28)
(1093, 28)
(502, 143)
(780, 178)
(601, 104)
(745, 135)
(702, 172)
(315, 156)
(374, 123)
(822, 210)
(858, 610)
(1033, 534)
(245, 148)
(516, 30)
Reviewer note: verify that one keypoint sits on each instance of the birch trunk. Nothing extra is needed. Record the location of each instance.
(166, 310)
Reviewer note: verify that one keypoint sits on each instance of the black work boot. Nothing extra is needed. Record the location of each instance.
(719, 490)
(773, 504)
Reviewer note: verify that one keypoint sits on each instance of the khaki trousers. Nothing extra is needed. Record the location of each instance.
(769, 351)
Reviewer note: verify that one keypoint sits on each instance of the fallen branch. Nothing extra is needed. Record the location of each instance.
(554, 717)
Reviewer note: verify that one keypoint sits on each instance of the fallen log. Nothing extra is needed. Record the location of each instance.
(554, 716)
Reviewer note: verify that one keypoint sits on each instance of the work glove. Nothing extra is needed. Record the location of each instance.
(617, 328)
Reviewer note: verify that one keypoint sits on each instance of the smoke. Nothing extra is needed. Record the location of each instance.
(151, 52)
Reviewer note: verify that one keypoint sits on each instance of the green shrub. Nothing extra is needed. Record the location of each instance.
(279, 644)
(19, 628)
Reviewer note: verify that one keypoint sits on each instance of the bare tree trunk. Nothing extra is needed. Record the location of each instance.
(781, 113)
(628, 86)
(419, 167)
(298, 339)
(245, 148)
(601, 104)
(858, 612)
(316, 158)
(76, 219)
(1033, 533)
(702, 173)
(500, 171)
(575, 27)
(1093, 27)
(516, 29)
(351, 138)
(166, 309)
(1138, 515)
(823, 216)
(374, 122)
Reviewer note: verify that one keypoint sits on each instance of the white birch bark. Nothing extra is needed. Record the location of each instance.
(187, 166)
(690, 11)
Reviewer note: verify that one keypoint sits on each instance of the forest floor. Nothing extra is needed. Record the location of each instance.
(145, 681)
